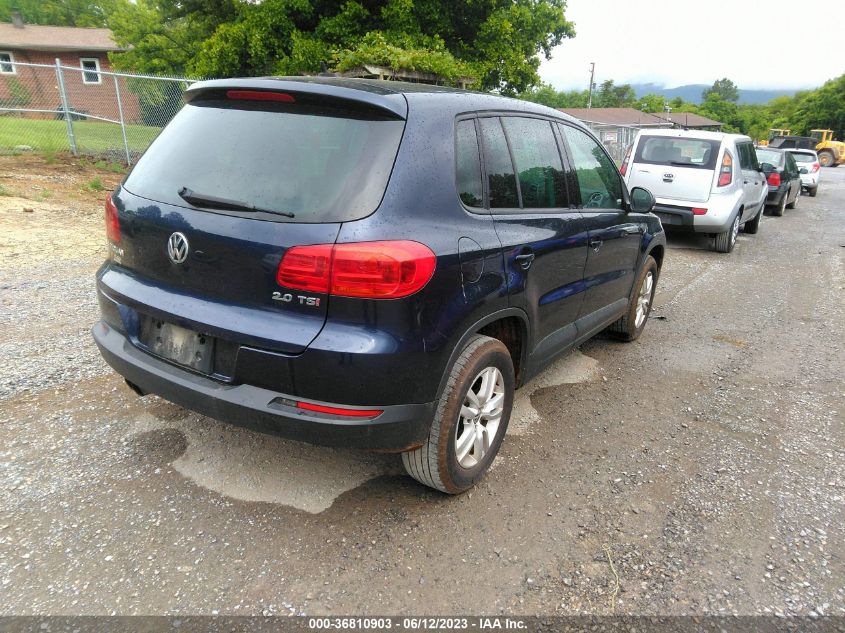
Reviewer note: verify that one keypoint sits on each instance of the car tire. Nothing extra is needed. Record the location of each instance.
(794, 203)
(779, 208)
(753, 225)
(445, 462)
(726, 240)
(813, 191)
(826, 158)
(630, 326)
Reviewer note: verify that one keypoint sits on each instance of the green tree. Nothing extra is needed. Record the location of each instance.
(823, 108)
(610, 95)
(651, 103)
(497, 41)
(724, 88)
(61, 12)
(546, 95)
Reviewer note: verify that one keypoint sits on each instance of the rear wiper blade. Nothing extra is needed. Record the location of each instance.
(214, 202)
(682, 164)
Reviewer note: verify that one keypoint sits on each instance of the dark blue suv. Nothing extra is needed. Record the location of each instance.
(368, 264)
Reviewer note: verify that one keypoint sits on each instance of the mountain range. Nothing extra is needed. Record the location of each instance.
(692, 92)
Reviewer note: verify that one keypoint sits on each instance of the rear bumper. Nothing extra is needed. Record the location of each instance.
(808, 181)
(677, 218)
(399, 427)
(775, 195)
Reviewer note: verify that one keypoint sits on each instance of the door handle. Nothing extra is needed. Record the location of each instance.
(595, 243)
(524, 260)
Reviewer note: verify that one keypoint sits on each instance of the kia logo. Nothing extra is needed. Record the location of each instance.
(177, 248)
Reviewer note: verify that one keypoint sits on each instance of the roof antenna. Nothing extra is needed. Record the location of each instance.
(324, 71)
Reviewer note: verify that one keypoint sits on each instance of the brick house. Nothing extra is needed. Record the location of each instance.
(84, 51)
(617, 127)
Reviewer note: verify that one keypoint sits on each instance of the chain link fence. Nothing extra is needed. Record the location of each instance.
(84, 110)
(616, 138)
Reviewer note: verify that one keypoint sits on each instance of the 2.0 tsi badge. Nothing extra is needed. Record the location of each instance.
(177, 248)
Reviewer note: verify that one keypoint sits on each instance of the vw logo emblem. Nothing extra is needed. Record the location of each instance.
(177, 248)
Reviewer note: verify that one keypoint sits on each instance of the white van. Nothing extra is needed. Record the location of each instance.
(707, 182)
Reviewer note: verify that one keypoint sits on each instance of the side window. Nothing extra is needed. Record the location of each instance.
(468, 164)
(744, 155)
(7, 63)
(790, 163)
(598, 180)
(535, 152)
(91, 70)
(501, 181)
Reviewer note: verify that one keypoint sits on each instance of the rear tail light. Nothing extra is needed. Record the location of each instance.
(372, 270)
(624, 167)
(774, 179)
(112, 221)
(726, 172)
(699, 210)
(815, 168)
(306, 268)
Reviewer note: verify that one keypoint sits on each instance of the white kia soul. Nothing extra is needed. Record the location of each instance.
(707, 182)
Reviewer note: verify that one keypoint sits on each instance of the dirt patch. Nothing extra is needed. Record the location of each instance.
(52, 208)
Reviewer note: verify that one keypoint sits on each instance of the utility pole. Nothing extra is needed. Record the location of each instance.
(592, 74)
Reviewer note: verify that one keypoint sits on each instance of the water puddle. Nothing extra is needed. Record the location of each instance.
(251, 466)
(573, 368)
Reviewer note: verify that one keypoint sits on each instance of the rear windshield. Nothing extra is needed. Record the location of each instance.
(804, 157)
(682, 152)
(321, 164)
(768, 156)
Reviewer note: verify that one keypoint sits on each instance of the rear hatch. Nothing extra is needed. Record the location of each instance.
(675, 168)
(238, 177)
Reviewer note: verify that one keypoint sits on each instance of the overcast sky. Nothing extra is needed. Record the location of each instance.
(757, 44)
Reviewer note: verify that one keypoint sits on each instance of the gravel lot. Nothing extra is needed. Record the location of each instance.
(704, 465)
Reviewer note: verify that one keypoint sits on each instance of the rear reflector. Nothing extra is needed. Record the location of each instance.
(260, 95)
(112, 221)
(727, 170)
(774, 179)
(699, 210)
(370, 270)
(352, 413)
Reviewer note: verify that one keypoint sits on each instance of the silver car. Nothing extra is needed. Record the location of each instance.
(707, 182)
(810, 168)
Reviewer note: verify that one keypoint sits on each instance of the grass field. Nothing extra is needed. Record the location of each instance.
(92, 137)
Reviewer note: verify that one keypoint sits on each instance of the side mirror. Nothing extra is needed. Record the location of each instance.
(767, 168)
(642, 200)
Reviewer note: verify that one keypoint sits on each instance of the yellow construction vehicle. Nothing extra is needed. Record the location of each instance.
(831, 153)
(774, 133)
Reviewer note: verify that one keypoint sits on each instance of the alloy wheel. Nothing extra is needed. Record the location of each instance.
(481, 414)
(644, 299)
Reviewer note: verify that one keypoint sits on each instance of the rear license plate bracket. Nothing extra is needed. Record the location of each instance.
(179, 345)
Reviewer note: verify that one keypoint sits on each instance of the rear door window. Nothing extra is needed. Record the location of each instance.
(680, 152)
(535, 152)
(468, 164)
(501, 180)
(321, 164)
(598, 180)
(747, 157)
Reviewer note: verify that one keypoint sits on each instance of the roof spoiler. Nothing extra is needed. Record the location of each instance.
(357, 97)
